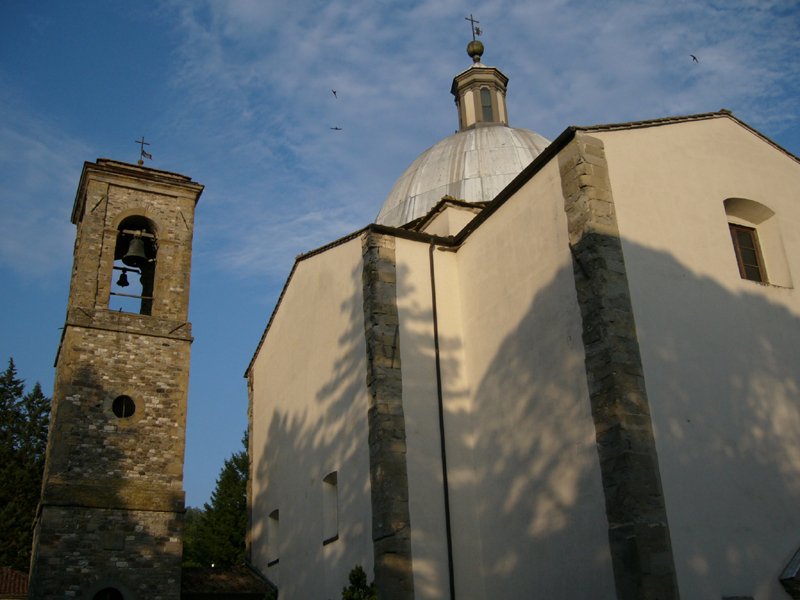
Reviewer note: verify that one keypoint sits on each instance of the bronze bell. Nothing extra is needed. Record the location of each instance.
(135, 256)
(123, 279)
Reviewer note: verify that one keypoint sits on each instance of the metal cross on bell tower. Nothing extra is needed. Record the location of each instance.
(142, 153)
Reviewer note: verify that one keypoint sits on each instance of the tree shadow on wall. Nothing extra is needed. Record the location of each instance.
(534, 502)
(724, 390)
(527, 502)
(321, 427)
(722, 381)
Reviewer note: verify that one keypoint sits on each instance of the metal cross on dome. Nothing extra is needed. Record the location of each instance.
(474, 22)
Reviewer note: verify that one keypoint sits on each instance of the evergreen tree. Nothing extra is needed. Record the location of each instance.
(194, 551)
(216, 535)
(24, 420)
(358, 588)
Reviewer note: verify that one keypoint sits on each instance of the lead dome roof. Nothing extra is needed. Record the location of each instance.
(472, 165)
(475, 163)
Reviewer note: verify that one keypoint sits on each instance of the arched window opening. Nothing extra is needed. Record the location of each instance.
(486, 105)
(757, 243)
(108, 593)
(134, 270)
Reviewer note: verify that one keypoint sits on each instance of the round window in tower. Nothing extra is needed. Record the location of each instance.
(123, 406)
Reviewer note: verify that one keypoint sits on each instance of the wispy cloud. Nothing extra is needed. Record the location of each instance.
(258, 77)
(38, 186)
(625, 60)
(250, 107)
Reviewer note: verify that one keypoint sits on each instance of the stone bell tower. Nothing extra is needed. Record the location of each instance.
(110, 519)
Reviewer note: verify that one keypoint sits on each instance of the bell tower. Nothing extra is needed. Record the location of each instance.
(110, 519)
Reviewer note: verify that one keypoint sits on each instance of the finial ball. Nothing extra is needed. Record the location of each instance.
(475, 50)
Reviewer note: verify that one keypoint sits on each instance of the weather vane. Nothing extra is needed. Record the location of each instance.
(142, 153)
(474, 23)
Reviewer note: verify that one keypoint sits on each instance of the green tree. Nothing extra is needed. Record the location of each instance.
(24, 419)
(358, 588)
(194, 552)
(215, 535)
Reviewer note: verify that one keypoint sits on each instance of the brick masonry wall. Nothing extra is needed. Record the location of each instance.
(639, 538)
(138, 552)
(107, 201)
(96, 366)
(391, 526)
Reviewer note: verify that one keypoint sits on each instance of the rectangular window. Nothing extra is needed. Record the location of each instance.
(330, 508)
(748, 253)
(273, 537)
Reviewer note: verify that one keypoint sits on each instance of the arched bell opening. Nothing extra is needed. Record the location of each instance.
(133, 275)
(108, 593)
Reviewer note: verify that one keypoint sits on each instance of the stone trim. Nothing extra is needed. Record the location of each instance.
(110, 320)
(137, 177)
(117, 494)
(391, 523)
(639, 538)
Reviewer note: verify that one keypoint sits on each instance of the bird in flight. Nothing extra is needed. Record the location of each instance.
(694, 58)
(334, 93)
(336, 128)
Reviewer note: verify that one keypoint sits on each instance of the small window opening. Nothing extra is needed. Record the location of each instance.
(123, 406)
(134, 266)
(273, 537)
(748, 253)
(108, 593)
(486, 105)
(330, 508)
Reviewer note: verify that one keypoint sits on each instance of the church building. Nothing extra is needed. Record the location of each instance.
(563, 370)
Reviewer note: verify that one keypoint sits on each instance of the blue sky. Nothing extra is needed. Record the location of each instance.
(237, 95)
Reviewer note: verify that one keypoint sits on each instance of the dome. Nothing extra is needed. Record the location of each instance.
(473, 165)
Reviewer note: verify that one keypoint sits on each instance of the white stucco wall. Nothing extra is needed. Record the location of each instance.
(528, 504)
(420, 408)
(450, 221)
(309, 419)
(720, 353)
